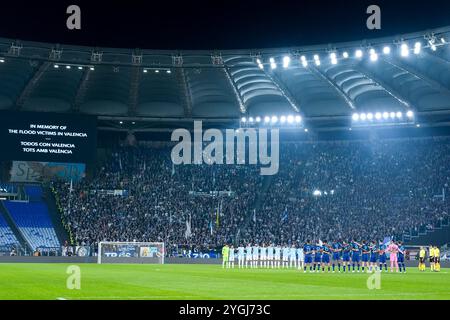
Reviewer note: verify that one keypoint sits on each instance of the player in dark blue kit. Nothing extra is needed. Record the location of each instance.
(365, 255)
(317, 257)
(337, 250)
(346, 250)
(356, 258)
(401, 257)
(308, 251)
(326, 255)
(382, 256)
(373, 256)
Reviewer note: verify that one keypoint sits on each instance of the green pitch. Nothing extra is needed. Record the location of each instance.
(49, 281)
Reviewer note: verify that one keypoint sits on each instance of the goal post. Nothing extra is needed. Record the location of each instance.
(130, 252)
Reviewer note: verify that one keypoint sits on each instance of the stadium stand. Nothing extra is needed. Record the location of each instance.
(7, 237)
(33, 221)
(324, 190)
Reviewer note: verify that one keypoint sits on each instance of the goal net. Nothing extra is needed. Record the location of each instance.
(130, 252)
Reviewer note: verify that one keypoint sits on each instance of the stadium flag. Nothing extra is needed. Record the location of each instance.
(254, 215)
(188, 233)
(217, 216)
(285, 215)
(71, 186)
(211, 227)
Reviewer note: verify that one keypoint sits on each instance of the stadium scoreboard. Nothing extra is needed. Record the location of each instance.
(33, 136)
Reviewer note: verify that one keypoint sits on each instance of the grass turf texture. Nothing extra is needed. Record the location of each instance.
(48, 281)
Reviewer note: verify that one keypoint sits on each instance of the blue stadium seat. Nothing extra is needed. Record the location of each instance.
(33, 220)
(7, 237)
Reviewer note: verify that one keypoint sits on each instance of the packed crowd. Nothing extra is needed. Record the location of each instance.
(324, 190)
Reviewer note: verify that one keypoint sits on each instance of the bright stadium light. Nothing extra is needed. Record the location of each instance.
(80, 68)
(306, 130)
(251, 120)
(56, 66)
(399, 115)
(417, 48)
(168, 72)
(333, 58)
(370, 116)
(355, 117)
(258, 119)
(290, 119)
(345, 55)
(374, 57)
(317, 60)
(273, 64)
(283, 119)
(317, 193)
(443, 41)
(156, 71)
(298, 119)
(410, 114)
(392, 115)
(2, 60)
(359, 53)
(266, 119)
(244, 119)
(378, 116)
(385, 115)
(145, 70)
(387, 50)
(432, 45)
(92, 68)
(304, 61)
(274, 119)
(363, 116)
(404, 50)
(286, 61)
(68, 67)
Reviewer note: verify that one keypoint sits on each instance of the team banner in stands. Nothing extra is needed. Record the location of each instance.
(31, 171)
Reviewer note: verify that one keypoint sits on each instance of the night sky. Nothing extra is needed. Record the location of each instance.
(215, 24)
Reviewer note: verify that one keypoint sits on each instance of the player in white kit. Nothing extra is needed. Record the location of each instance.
(255, 256)
(270, 256)
(285, 256)
(277, 256)
(263, 256)
(241, 256)
(293, 257)
(231, 257)
(301, 258)
(248, 255)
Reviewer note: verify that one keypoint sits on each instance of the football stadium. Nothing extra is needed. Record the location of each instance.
(317, 172)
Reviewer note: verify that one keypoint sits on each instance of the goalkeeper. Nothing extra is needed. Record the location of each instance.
(225, 254)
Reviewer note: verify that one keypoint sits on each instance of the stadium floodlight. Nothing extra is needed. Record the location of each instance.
(333, 58)
(251, 120)
(298, 119)
(266, 119)
(286, 61)
(385, 115)
(418, 125)
(345, 55)
(304, 61)
(417, 48)
(387, 50)
(80, 68)
(260, 65)
(370, 116)
(399, 115)
(359, 53)
(404, 50)
(374, 57)
(363, 116)
(156, 71)
(378, 116)
(2, 60)
(92, 68)
(317, 193)
(355, 117)
(145, 70)
(283, 119)
(274, 119)
(410, 114)
(120, 122)
(392, 115)
(306, 130)
(443, 41)
(68, 67)
(290, 119)
(273, 64)
(317, 60)
(244, 119)
(258, 119)
(432, 44)
(56, 66)
(168, 71)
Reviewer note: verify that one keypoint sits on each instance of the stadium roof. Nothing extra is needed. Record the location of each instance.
(326, 84)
